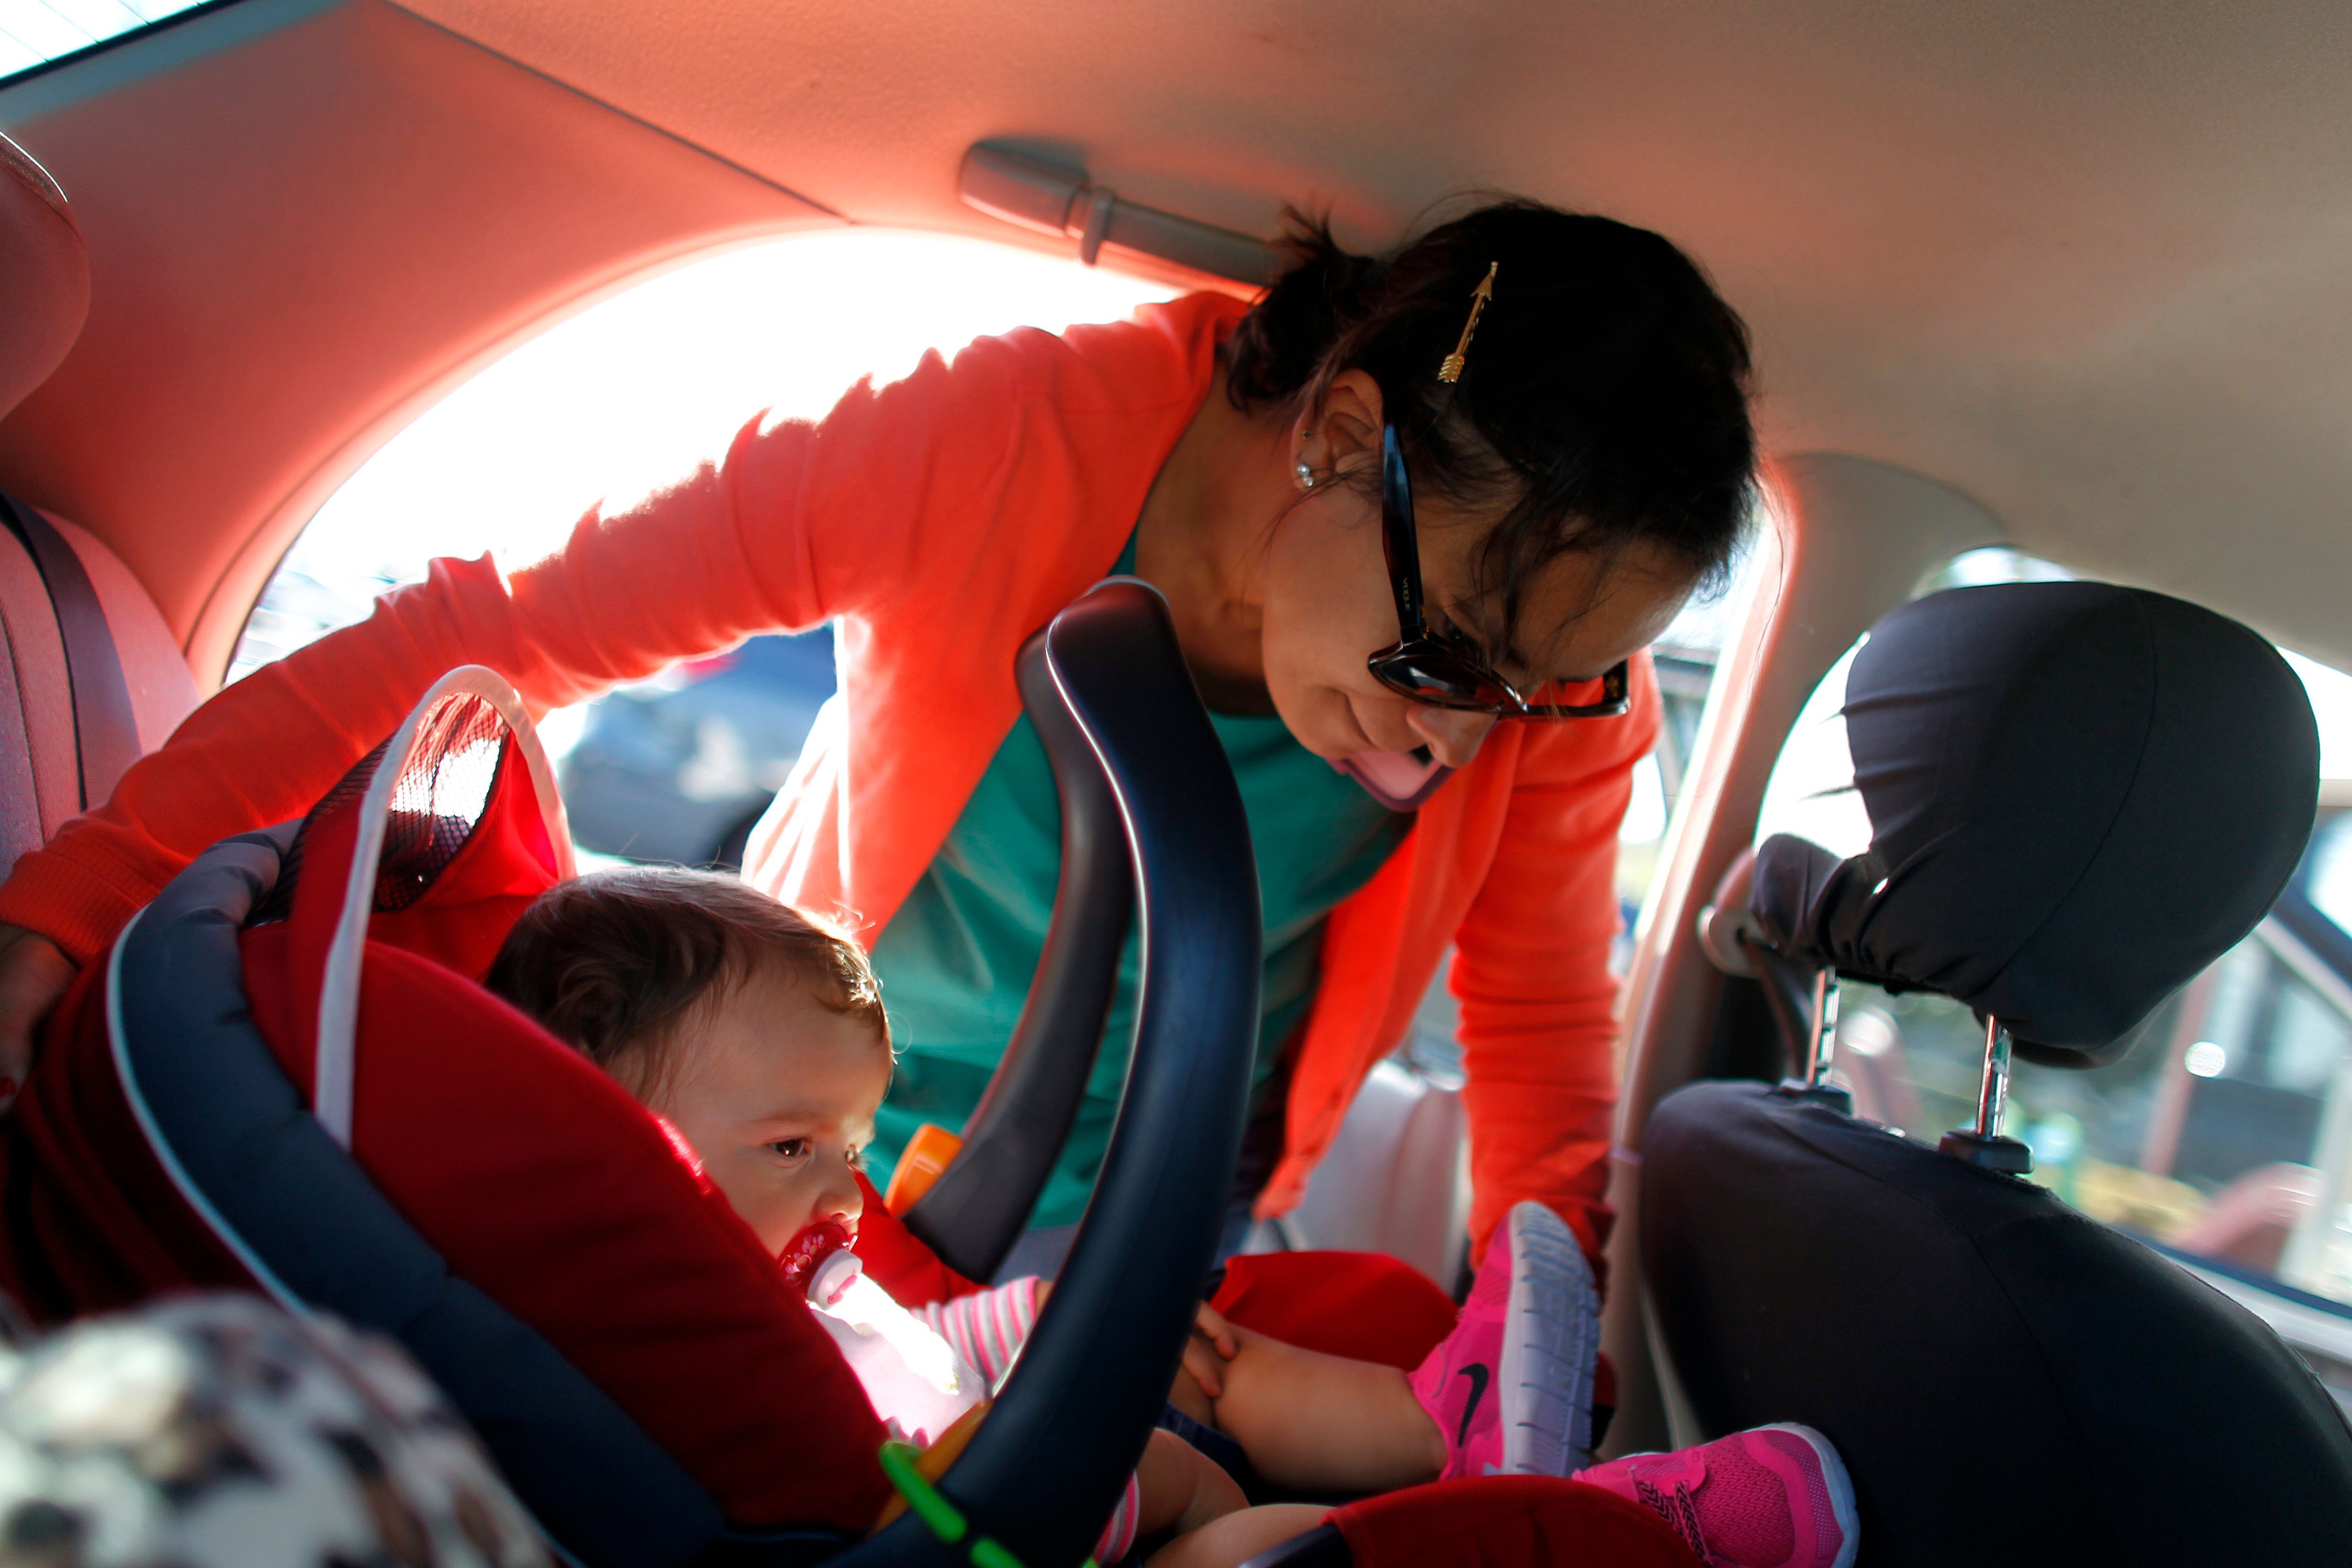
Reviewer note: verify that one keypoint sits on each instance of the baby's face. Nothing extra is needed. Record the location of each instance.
(777, 1094)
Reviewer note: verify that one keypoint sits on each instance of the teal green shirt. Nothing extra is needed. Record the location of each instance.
(956, 961)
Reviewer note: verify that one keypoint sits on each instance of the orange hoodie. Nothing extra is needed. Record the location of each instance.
(942, 519)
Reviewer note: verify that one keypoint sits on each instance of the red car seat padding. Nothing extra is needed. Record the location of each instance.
(1507, 1521)
(535, 1175)
(302, 1222)
(505, 1209)
(1364, 1305)
(448, 801)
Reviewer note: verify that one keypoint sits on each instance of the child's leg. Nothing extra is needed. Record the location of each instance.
(1237, 1537)
(1180, 1488)
(1317, 1422)
(1509, 1391)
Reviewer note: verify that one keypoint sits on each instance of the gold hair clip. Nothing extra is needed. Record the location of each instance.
(1452, 369)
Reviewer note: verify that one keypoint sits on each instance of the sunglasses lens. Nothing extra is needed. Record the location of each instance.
(1431, 675)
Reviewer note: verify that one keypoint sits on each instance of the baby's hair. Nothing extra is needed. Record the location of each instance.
(617, 963)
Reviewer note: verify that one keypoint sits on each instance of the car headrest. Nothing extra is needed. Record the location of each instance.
(47, 270)
(2079, 796)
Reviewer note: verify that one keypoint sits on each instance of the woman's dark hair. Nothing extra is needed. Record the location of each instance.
(1606, 391)
(616, 963)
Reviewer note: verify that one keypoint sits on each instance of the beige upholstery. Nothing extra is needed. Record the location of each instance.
(40, 773)
(162, 693)
(46, 292)
(23, 823)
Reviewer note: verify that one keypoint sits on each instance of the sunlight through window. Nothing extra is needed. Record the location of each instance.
(635, 391)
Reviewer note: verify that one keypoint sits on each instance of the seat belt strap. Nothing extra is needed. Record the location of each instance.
(106, 730)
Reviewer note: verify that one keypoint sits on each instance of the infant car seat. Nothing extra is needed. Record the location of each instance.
(284, 1078)
(2079, 796)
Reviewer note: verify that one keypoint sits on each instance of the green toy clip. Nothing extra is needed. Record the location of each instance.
(942, 1518)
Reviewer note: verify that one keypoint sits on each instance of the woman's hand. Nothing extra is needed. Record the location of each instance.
(33, 975)
(1212, 1345)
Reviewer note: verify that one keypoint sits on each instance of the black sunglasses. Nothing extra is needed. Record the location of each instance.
(1440, 671)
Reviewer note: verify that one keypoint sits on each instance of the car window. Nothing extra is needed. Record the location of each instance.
(34, 33)
(625, 396)
(1687, 655)
(2226, 1133)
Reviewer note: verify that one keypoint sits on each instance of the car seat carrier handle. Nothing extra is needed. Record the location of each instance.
(977, 1208)
(1045, 1469)
(335, 1076)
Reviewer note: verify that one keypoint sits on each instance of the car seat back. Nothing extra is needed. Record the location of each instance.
(93, 678)
(2078, 796)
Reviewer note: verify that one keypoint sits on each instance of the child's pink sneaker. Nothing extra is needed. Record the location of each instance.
(1511, 1388)
(1775, 1497)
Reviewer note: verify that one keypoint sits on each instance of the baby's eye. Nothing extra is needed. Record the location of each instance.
(857, 1159)
(794, 1150)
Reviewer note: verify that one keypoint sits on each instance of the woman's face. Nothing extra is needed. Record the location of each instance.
(1326, 606)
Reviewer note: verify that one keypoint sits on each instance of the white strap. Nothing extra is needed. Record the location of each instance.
(338, 998)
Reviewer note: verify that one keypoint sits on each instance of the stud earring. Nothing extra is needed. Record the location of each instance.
(1306, 476)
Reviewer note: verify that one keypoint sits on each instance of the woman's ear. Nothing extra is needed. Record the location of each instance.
(1348, 423)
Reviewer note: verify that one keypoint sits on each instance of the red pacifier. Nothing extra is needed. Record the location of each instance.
(806, 1253)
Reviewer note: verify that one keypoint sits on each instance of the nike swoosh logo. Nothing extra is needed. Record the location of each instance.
(1476, 1372)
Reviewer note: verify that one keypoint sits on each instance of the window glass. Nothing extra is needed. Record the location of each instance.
(35, 32)
(2327, 880)
(1687, 656)
(628, 395)
(2226, 1133)
(1811, 793)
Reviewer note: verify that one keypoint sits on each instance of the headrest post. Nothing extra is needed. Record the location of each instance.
(1825, 1041)
(1983, 1144)
(1821, 1046)
(1992, 1092)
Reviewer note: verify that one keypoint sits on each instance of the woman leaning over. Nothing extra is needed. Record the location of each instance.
(1569, 401)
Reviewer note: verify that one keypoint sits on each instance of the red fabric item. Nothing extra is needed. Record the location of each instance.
(543, 1183)
(89, 1221)
(479, 895)
(899, 1261)
(536, 1177)
(1509, 1522)
(1365, 1305)
(940, 520)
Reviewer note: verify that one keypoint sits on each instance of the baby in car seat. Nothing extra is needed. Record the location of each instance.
(757, 1035)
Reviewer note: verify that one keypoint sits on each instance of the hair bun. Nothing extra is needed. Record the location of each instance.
(1324, 289)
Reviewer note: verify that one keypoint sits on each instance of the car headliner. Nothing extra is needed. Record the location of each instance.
(2090, 265)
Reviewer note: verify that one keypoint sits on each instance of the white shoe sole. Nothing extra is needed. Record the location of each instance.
(1841, 1487)
(1551, 1339)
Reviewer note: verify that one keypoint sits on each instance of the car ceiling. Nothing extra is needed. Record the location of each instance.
(2090, 264)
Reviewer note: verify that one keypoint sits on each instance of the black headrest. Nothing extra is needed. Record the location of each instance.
(2079, 795)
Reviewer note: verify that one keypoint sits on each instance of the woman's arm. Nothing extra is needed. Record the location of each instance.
(1531, 971)
(797, 523)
